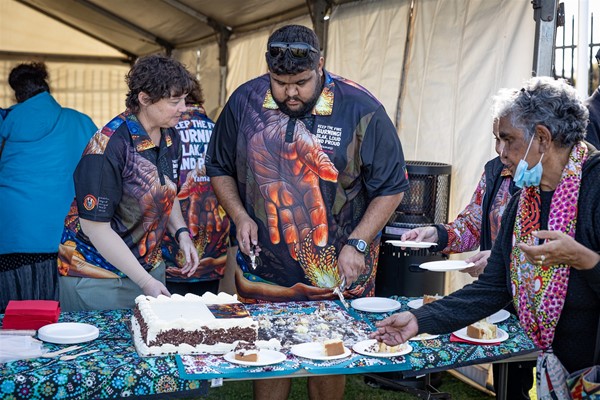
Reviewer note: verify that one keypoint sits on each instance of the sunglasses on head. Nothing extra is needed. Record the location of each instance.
(297, 49)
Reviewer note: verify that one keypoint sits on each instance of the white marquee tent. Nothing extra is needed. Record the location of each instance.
(434, 64)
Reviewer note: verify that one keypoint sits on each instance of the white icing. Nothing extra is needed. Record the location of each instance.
(188, 313)
(271, 344)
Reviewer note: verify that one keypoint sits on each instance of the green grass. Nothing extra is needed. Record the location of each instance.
(355, 389)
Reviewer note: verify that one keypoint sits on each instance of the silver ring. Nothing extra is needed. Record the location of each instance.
(543, 258)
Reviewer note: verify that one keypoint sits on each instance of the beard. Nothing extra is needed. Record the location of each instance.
(305, 108)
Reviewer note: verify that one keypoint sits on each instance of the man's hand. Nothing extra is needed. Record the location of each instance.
(421, 234)
(155, 288)
(396, 329)
(291, 189)
(351, 264)
(246, 234)
(480, 260)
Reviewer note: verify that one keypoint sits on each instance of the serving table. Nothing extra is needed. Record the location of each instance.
(116, 370)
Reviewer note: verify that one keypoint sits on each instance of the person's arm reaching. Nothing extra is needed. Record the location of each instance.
(186, 245)
(115, 251)
(350, 262)
(229, 198)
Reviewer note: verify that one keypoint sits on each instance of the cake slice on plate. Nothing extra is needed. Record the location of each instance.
(246, 351)
(482, 330)
(333, 347)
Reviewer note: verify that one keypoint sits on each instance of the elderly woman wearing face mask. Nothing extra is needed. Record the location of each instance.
(545, 259)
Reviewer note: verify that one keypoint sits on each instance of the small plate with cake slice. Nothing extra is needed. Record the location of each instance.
(331, 349)
(260, 358)
(417, 303)
(482, 332)
(373, 348)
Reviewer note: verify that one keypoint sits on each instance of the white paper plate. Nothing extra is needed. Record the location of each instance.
(67, 333)
(423, 336)
(314, 350)
(415, 303)
(411, 244)
(446, 265)
(501, 336)
(265, 357)
(361, 348)
(498, 317)
(375, 304)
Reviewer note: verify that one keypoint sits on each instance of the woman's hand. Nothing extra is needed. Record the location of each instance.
(186, 245)
(480, 260)
(559, 248)
(396, 329)
(155, 288)
(421, 234)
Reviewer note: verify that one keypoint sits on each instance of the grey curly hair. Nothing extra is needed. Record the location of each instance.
(544, 101)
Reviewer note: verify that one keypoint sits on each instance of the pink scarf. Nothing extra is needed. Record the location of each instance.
(539, 291)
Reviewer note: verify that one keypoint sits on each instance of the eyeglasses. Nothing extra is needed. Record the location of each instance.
(297, 49)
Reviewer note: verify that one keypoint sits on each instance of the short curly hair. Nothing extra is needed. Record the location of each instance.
(545, 101)
(28, 79)
(159, 77)
(285, 64)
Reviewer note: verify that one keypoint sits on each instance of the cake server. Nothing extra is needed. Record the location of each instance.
(74, 356)
(59, 352)
(339, 290)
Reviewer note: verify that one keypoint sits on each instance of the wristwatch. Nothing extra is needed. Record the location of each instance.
(359, 244)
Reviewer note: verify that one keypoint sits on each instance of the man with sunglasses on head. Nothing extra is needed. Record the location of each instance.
(309, 167)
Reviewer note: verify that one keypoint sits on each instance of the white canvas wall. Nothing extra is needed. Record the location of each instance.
(463, 52)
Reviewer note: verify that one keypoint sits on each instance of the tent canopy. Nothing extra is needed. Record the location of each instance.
(139, 27)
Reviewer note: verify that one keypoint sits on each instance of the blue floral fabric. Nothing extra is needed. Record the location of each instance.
(117, 370)
(114, 371)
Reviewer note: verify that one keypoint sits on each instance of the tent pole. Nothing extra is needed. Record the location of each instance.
(224, 34)
(319, 14)
(545, 16)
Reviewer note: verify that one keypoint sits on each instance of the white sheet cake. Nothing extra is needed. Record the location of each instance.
(190, 324)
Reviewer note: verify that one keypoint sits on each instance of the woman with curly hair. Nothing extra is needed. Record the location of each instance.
(126, 186)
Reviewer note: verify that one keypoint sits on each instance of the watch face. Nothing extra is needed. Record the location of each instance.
(361, 246)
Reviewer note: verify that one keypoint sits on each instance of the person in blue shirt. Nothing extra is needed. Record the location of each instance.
(40, 145)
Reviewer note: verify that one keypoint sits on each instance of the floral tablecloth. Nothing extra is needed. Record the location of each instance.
(117, 370)
(114, 371)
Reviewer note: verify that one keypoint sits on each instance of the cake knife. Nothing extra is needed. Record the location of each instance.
(339, 290)
(252, 258)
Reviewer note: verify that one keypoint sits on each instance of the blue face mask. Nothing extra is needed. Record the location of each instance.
(528, 177)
